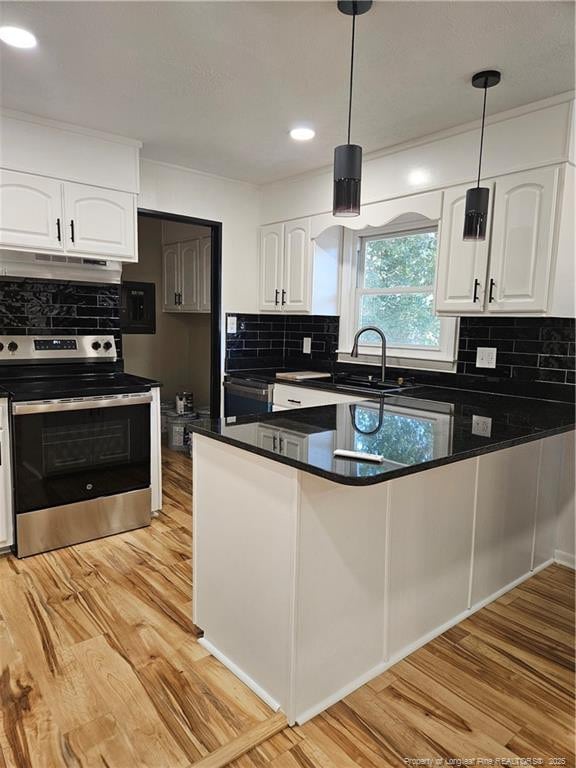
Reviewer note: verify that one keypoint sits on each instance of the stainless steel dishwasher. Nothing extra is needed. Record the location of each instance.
(244, 397)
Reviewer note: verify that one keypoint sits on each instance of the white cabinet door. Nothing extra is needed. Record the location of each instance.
(297, 270)
(30, 212)
(522, 241)
(271, 259)
(268, 438)
(170, 278)
(462, 264)
(205, 273)
(190, 276)
(100, 222)
(5, 479)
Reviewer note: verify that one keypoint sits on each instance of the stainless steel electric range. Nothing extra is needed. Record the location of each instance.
(80, 434)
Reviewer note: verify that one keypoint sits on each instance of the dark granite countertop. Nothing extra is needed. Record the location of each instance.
(419, 429)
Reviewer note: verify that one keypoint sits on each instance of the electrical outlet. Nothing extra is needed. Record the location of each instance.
(307, 345)
(231, 324)
(486, 357)
(482, 426)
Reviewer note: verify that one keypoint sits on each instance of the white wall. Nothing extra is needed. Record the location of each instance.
(173, 189)
(535, 135)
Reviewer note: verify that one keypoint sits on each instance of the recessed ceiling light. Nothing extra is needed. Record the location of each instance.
(302, 134)
(17, 37)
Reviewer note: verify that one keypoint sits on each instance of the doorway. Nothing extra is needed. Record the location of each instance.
(183, 349)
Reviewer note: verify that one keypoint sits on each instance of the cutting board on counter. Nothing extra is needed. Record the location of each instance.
(302, 375)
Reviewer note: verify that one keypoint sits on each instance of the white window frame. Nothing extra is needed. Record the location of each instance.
(442, 357)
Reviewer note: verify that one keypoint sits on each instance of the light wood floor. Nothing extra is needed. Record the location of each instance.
(100, 667)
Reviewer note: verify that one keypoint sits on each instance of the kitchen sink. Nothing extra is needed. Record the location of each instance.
(373, 383)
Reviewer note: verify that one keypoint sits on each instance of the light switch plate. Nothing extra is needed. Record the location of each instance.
(307, 345)
(486, 357)
(482, 426)
(231, 324)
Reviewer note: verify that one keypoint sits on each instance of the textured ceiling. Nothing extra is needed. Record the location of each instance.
(217, 85)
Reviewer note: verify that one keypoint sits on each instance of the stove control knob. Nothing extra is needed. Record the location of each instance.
(96, 345)
(107, 345)
(1, 346)
(12, 346)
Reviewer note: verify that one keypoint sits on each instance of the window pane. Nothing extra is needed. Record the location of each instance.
(406, 260)
(406, 319)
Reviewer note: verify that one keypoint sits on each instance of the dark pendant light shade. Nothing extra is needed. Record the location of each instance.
(348, 157)
(478, 198)
(347, 179)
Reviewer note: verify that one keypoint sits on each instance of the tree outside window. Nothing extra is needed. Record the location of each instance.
(396, 289)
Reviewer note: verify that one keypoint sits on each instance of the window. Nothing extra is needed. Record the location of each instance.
(393, 277)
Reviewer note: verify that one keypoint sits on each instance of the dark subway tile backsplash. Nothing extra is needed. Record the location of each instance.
(539, 349)
(267, 341)
(53, 308)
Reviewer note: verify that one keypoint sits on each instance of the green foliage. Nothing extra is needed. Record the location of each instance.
(393, 262)
(407, 319)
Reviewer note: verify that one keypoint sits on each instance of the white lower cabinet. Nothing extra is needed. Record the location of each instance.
(6, 536)
(286, 397)
(512, 269)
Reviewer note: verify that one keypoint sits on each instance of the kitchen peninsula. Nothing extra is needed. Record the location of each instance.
(313, 574)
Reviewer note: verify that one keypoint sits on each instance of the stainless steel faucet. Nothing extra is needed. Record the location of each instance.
(354, 352)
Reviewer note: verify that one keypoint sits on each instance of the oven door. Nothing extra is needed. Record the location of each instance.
(77, 450)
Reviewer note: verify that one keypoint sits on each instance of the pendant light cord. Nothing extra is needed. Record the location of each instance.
(351, 74)
(482, 136)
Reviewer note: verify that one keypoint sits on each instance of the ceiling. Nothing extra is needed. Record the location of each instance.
(217, 85)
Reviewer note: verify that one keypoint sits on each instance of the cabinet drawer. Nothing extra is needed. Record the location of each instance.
(302, 397)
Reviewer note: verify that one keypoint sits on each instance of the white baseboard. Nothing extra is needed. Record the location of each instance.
(240, 674)
(565, 558)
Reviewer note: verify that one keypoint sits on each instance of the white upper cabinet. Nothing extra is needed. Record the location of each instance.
(99, 221)
(170, 277)
(205, 276)
(40, 214)
(186, 270)
(286, 267)
(30, 211)
(297, 270)
(271, 259)
(190, 273)
(512, 269)
(522, 241)
(462, 264)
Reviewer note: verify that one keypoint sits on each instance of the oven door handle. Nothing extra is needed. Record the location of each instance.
(56, 406)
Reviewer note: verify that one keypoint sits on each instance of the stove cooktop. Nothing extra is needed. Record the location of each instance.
(82, 385)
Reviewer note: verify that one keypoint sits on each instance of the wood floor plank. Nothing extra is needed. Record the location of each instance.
(226, 754)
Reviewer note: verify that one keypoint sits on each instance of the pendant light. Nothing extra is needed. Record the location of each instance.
(477, 198)
(348, 157)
